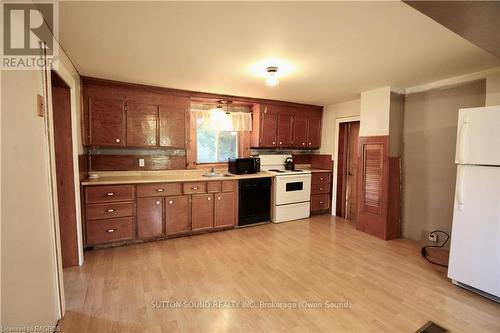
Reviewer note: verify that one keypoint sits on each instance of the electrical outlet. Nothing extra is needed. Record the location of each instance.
(433, 237)
(141, 162)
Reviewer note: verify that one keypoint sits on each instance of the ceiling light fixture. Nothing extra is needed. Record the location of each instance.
(272, 76)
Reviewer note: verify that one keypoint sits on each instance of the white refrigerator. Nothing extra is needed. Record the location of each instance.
(475, 238)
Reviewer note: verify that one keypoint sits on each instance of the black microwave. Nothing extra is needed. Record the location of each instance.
(239, 166)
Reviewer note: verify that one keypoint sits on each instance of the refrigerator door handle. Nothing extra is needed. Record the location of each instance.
(463, 130)
(460, 188)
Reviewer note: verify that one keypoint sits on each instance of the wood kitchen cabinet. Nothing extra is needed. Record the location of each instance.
(142, 123)
(284, 130)
(299, 138)
(177, 215)
(202, 212)
(172, 127)
(225, 213)
(106, 121)
(150, 217)
(269, 127)
(314, 132)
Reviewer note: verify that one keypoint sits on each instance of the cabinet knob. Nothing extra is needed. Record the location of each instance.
(117, 140)
(159, 190)
(303, 143)
(194, 187)
(218, 198)
(151, 141)
(321, 178)
(170, 202)
(209, 198)
(310, 143)
(281, 143)
(110, 210)
(110, 230)
(274, 142)
(110, 194)
(158, 202)
(321, 189)
(321, 202)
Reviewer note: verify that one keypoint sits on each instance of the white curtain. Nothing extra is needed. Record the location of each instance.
(210, 117)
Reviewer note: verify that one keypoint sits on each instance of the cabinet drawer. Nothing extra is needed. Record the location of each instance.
(320, 188)
(320, 202)
(109, 193)
(228, 186)
(193, 188)
(320, 178)
(155, 190)
(112, 230)
(213, 187)
(109, 210)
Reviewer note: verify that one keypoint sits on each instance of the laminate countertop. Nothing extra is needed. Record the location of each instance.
(170, 176)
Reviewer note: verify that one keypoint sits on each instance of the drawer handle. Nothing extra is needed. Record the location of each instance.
(158, 202)
(110, 230)
(194, 187)
(110, 210)
(110, 194)
(159, 190)
(170, 202)
(321, 202)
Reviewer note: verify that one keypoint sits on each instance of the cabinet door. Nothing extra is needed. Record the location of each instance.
(225, 210)
(149, 217)
(299, 139)
(142, 121)
(106, 121)
(268, 128)
(172, 127)
(202, 212)
(314, 132)
(284, 130)
(176, 215)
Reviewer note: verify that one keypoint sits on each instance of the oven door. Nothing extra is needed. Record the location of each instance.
(292, 189)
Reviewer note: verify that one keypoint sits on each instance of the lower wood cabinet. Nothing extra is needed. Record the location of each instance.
(202, 212)
(150, 217)
(177, 215)
(225, 212)
(159, 211)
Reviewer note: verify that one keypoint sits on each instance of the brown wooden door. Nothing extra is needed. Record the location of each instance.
(284, 130)
(107, 121)
(314, 132)
(149, 217)
(177, 215)
(172, 127)
(225, 215)
(268, 128)
(373, 185)
(142, 122)
(299, 139)
(202, 212)
(64, 173)
(352, 171)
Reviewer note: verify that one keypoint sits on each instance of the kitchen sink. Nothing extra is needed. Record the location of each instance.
(214, 174)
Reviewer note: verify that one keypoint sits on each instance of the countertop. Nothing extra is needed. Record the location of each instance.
(170, 176)
(308, 167)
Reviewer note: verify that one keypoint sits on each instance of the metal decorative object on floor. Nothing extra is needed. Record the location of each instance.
(431, 327)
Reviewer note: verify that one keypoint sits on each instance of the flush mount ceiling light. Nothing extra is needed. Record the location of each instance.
(272, 76)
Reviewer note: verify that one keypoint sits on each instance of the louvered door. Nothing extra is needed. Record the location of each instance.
(373, 185)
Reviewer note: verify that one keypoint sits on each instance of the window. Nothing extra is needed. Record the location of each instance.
(214, 146)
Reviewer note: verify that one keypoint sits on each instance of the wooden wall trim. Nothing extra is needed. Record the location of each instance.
(194, 94)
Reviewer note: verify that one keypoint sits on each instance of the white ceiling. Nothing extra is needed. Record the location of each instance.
(336, 49)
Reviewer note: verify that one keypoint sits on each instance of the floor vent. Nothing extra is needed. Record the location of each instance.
(430, 327)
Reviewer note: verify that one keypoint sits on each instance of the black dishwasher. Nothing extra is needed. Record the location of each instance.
(254, 201)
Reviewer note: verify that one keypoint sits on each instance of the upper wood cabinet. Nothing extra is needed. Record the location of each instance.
(284, 126)
(106, 119)
(142, 123)
(120, 114)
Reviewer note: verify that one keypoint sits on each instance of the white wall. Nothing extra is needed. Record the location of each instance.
(493, 89)
(30, 267)
(330, 114)
(375, 112)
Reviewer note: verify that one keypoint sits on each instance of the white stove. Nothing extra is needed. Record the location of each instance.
(291, 189)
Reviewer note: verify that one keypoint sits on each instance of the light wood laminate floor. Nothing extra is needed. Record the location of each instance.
(389, 286)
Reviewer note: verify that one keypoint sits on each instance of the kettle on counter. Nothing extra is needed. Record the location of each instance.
(289, 164)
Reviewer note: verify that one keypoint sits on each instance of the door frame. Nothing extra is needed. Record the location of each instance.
(338, 121)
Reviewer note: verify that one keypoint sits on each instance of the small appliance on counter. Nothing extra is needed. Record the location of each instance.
(289, 163)
(240, 166)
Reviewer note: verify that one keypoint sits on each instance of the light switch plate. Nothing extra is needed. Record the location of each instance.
(40, 105)
(141, 162)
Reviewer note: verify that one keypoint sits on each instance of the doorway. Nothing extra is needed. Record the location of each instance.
(63, 149)
(347, 171)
